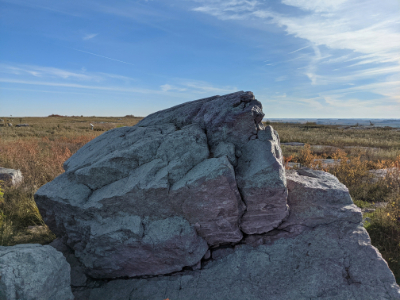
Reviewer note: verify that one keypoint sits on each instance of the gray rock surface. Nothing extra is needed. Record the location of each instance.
(153, 198)
(11, 176)
(320, 252)
(32, 271)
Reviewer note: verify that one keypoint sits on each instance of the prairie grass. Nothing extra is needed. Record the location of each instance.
(339, 136)
(380, 143)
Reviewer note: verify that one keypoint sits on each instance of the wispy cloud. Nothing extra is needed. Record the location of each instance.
(102, 56)
(336, 30)
(340, 29)
(205, 87)
(39, 71)
(300, 49)
(89, 36)
(227, 9)
(168, 87)
(100, 81)
(390, 89)
(29, 72)
(316, 5)
(81, 86)
(196, 86)
(281, 78)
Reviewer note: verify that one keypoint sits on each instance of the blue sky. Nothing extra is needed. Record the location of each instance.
(301, 58)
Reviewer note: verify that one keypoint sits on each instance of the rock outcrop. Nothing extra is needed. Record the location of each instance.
(11, 176)
(32, 271)
(151, 199)
(193, 203)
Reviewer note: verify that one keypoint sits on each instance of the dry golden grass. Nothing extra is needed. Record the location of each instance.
(339, 136)
(373, 144)
(62, 127)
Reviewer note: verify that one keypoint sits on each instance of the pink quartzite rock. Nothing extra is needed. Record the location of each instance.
(320, 252)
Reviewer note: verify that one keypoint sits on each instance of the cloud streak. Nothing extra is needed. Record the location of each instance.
(102, 56)
(54, 77)
(197, 86)
(81, 86)
(89, 36)
(39, 71)
(330, 27)
(300, 49)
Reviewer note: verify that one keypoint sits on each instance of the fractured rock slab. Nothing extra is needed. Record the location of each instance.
(320, 252)
(328, 262)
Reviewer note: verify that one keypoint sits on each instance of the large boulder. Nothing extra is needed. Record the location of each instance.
(320, 252)
(153, 198)
(32, 271)
(193, 203)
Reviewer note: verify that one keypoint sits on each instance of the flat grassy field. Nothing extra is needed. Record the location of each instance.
(378, 143)
(40, 150)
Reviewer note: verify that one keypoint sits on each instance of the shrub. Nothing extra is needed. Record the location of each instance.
(306, 157)
(55, 115)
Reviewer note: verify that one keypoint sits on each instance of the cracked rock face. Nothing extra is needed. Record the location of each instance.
(320, 252)
(152, 199)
